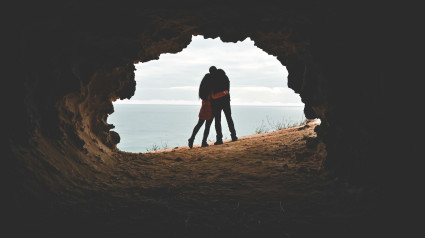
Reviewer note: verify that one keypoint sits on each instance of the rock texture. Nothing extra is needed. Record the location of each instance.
(72, 60)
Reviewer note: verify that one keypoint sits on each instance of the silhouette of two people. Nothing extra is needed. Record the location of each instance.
(214, 90)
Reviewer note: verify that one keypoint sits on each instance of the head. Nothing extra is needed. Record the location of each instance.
(220, 71)
(213, 69)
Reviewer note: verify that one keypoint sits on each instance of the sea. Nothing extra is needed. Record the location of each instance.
(150, 127)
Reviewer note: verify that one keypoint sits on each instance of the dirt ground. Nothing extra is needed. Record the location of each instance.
(263, 185)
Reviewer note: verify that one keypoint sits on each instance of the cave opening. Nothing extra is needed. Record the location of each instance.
(165, 106)
(60, 146)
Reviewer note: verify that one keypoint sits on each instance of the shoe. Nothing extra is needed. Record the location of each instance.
(234, 138)
(204, 144)
(219, 142)
(190, 143)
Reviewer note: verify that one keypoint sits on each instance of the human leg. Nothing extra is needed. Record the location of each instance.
(206, 132)
(217, 107)
(228, 113)
(195, 131)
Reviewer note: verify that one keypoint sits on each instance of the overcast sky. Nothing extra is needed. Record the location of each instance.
(256, 78)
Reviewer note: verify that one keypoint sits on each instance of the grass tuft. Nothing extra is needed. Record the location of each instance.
(278, 125)
(154, 147)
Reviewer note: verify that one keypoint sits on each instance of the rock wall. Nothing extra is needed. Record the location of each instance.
(74, 59)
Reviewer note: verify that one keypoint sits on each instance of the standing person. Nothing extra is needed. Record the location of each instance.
(205, 114)
(221, 102)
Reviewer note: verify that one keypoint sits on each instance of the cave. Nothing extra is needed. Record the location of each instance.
(71, 61)
(170, 84)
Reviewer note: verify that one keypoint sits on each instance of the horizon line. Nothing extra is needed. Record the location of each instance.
(193, 104)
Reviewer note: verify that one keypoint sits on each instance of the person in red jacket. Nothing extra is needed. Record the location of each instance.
(205, 114)
(221, 102)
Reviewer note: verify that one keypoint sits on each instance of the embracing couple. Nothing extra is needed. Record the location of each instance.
(214, 92)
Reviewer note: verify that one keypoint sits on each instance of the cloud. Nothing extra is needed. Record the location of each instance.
(185, 88)
(239, 96)
(255, 77)
(158, 101)
(265, 96)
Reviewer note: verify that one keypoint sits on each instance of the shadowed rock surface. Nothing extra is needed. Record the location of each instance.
(72, 60)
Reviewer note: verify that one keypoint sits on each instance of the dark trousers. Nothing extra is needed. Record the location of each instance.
(206, 131)
(218, 105)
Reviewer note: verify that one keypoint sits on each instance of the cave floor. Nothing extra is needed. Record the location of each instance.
(264, 185)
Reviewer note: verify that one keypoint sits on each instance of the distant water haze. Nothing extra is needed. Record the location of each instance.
(144, 127)
(165, 107)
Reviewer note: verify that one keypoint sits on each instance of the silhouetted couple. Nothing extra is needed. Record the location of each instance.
(214, 92)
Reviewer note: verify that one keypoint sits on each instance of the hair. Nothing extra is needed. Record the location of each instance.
(221, 72)
(205, 87)
(213, 69)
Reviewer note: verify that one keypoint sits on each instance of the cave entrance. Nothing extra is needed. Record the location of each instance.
(165, 107)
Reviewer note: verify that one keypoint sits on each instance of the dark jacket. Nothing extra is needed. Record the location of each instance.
(220, 81)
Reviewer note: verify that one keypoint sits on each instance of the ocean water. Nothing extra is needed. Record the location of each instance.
(145, 127)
